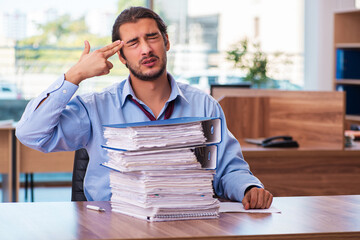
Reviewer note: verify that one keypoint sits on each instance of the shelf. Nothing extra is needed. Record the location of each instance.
(353, 118)
(347, 81)
(346, 28)
(347, 45)
(346, 58)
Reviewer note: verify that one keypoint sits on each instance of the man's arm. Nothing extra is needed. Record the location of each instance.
(57, 124)
(233, 179)
(91, 64)
(257, 198)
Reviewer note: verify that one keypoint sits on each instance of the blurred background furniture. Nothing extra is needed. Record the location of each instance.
(322, 165)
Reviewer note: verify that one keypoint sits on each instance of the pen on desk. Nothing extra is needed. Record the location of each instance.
(96, 208)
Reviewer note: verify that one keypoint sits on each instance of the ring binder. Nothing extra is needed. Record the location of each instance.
(169, 133)
(163, 170)
(205, 155)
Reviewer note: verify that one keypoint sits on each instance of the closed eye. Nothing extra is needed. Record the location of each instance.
(152, 35)
(132, 43)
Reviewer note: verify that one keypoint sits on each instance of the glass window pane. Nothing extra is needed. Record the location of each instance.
(40, 40)
(202, 32)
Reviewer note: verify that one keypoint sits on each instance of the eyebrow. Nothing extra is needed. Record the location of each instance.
(147, 35)
(152, 34)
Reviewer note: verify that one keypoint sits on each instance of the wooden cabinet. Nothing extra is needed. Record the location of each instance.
(347, 61)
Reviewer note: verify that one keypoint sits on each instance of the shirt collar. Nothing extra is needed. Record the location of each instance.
(127, 90)
(175, 91)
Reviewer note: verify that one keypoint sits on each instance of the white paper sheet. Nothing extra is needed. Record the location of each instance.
(238, 207)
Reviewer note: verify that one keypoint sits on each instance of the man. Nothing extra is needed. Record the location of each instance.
(53, 122)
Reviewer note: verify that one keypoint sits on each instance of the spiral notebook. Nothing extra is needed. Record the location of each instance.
(158, 214)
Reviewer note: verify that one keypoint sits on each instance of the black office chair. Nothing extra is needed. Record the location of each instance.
(81, 161)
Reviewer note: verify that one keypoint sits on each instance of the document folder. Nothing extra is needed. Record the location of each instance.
(169, 133)
(164, 169)
(205, 155)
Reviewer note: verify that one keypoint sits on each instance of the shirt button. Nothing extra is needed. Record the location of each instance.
(64, 91)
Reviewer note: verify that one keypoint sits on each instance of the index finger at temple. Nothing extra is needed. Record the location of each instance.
(110, 46)
(112, 49)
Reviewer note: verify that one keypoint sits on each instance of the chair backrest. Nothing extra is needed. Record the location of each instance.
(81, 161)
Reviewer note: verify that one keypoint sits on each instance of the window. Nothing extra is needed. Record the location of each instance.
(213, 79)
(39, 42)
(202, 31)
(194, 80)
(5, 89)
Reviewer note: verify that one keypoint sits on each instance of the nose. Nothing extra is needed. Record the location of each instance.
(145, 48)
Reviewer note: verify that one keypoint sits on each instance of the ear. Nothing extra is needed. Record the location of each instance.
(121, 58)
(167, 43)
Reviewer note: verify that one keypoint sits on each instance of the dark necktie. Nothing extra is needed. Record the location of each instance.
(168, 111)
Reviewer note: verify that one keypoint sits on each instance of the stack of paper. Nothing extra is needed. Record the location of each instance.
(164, 195)
(161, 184)
(169, 159)
(148, 137)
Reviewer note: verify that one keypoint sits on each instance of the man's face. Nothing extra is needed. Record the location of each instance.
(144, 49)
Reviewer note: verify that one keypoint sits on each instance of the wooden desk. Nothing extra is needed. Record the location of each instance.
(33, 161)
(6, 164)
(16, 158)
(326, 217)
(305, 171)
(321, 166)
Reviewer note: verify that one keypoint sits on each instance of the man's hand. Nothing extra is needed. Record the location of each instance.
(257, 198)
(93, 64)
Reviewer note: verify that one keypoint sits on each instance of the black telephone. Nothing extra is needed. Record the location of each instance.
(279, 141)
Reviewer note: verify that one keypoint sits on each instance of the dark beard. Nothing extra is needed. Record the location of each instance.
(146, 77)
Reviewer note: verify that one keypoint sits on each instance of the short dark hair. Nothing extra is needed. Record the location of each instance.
(132, 15)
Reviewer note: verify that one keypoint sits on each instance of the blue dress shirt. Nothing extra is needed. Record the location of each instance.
(65, 124)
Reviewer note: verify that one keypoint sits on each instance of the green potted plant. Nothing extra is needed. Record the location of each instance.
(249, 57)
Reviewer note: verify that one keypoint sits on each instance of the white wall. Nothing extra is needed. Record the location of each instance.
(319, 34)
